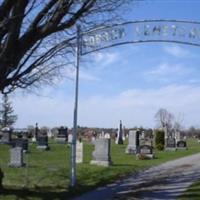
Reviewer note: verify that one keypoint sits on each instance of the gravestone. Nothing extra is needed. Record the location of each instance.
(93, 138)
(143, 135)
(6, 135)
(19, 142)
(62, 136)
(145, 151)
(142, 141)
(16, 157)
(148, 141)
(79, 152)
(119, 139)
(70, 137)
(42, 143)
(102, 134)
(181, 145)
(107, 136)
(133, 142)
(36, 132)
(177, 136)
(101, 154)
(33, 139)
(49, 133)
(170, 144)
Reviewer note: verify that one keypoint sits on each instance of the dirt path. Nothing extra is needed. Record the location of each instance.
(166, 181)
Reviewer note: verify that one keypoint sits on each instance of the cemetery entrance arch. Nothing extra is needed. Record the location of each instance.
(183, 32)
(175, 31)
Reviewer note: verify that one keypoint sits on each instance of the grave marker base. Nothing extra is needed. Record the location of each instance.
(170, 148)
(101, 163)
(182, 148)
(131, 150)
(149, 156)
(43, 147)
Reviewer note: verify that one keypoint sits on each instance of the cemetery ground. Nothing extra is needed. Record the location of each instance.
(46, 176)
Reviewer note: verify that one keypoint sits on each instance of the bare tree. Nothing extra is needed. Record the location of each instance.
(178, 120)
(35, 34)
(164, 119)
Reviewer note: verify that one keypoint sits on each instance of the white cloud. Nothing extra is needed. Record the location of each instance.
(166, 72)
(70, 73)
(134, 107)
(176, 51)
(105, 58)
(138, 107)
(44, 110)
(168, 69)
(88, 77)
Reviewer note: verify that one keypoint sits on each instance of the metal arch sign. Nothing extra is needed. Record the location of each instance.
(183, 32)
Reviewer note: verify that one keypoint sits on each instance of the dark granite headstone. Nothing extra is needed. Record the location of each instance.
(42, 142)
(36, 132)
(20, 142)
(63, 132)
(181, 145)
(119, 139)
(62, 136)
(137, 138)
(170, 144)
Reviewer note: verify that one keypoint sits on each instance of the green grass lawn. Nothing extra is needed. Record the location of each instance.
(46, 176)
(193, 192)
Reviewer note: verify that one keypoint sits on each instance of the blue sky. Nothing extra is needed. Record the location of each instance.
(128, 83)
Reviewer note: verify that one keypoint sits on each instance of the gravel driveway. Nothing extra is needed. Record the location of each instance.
(166, 181)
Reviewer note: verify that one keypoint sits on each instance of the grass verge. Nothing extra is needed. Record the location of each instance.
(193, 192)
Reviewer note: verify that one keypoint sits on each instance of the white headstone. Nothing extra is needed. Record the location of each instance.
(102, 135)
(177, 136)
(107, 136)
(16, 157)
(79, 152)
(101, 154)
(123, 134)
(132, 142)
(93, 138)
(143, 135)
(49, 133)
(70, 138)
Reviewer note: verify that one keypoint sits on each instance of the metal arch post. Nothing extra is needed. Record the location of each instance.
(74, 137)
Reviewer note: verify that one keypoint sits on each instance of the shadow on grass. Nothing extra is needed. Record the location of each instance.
(191, 196)
(47, 193)
(87, 181)
(39, 193)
